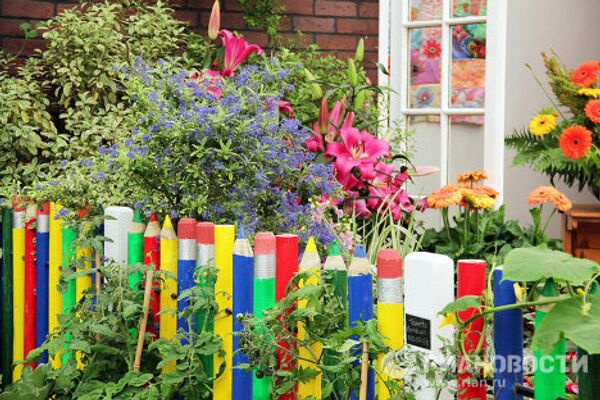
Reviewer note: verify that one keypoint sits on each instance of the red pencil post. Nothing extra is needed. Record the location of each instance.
(286, 254)
(29, 332)
(471, 282)
(152, 257)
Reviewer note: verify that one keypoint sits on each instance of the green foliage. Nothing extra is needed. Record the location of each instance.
(264, 14)
(485, 235)
(532, 264)
(29, 137)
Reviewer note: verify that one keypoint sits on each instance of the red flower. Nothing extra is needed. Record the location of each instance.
(585, 75)
(431, 49)
(592, 110)
(575, 141)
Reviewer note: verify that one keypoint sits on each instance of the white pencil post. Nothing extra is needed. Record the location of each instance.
(429, 287)
(116, 225)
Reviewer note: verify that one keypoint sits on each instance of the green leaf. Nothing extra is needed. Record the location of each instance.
(569, 320)
(531, 264)
(461, 304)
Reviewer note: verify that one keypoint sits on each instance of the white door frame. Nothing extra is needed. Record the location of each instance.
(393, 53)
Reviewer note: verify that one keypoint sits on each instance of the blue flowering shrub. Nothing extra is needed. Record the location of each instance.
(216, 149)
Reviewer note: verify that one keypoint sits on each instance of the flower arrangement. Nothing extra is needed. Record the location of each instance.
(565, 144)
(479, 231)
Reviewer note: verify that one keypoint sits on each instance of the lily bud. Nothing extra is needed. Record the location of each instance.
(352, 75)
(214, 23)
(359, 100)
(324, 117)
(315, 88)
(360, 51)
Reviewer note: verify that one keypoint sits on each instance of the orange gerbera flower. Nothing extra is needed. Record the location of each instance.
(575, 141)
(444, 197)
(592, 111)
(585, 75)
(471, 176)
(543, 194)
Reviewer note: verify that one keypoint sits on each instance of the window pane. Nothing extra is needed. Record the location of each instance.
(465, 145)
(468, 66)
(425, 67)
(464, 8)
(426, 152)
(421, 10)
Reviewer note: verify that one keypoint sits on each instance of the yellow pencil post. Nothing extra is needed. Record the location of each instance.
(168, 291)
(390, 313)
(311, 263)
(224, 239)
(54, 265)
(18, 233)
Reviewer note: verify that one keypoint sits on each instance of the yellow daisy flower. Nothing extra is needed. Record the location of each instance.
(542, 124)
(590, 92)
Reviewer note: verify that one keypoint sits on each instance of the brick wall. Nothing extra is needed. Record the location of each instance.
(335, 25)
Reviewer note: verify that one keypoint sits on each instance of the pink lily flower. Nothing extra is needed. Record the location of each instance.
(315, 143)
(357, 150)
(209, 81)
(328, 123)
(236, 51)
(286, 107)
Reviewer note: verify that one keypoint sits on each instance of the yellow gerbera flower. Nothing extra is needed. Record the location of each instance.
(542, 124)
(590, 92)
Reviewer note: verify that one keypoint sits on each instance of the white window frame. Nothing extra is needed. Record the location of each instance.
(394, 43)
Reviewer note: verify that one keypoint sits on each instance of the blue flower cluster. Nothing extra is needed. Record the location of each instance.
(220, 149)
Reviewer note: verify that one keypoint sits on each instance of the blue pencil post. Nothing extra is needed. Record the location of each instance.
(360, 306)
(243, 295)
(508, 341)
(186, 265)
(42, 239)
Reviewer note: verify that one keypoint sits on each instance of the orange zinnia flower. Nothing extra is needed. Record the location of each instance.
(585, 75)
(592, 111)
(444, 197)
(543, 194)
(575, 141)
(471, 176)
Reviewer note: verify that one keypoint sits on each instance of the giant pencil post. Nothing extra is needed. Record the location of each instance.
(135, 248)
(54, 273)
(311, 264)
(7, 297)
(116, 229)
(30, 281)
(69, 236)
(186, 263)
(205, 240)
(152, 257)
(42, 249)
(168, 292)
(589, 381)
(335, 274)
(286, 253)
(549, 376)
(224, 239)
(360, 305)
(18, 234)
(243, 274)
(264, 295)
(508, 341)
(429, 287)
(471, 282)
(390, 309)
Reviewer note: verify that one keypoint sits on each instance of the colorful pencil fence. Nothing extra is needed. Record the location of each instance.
(36, 244)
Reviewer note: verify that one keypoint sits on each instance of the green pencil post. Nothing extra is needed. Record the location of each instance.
(589, 381)
(7, 298)
(549, 375)
(135, 248)
(69, 235)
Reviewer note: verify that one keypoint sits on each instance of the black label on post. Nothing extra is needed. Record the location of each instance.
(418, 331)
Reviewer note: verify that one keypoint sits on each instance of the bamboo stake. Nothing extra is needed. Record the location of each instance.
(142, 331)
(364, 372)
